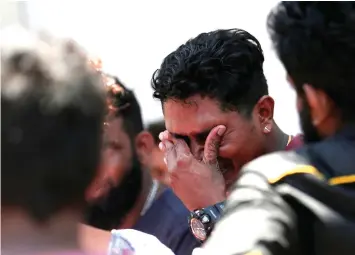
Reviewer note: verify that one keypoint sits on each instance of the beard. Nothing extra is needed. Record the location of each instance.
(108, 212)
(310, 132)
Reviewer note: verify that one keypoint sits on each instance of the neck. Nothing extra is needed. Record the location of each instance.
(133, 216)
(277, 140)
(21, 235)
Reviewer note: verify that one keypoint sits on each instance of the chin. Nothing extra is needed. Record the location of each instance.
(230, 174)
(230, 178)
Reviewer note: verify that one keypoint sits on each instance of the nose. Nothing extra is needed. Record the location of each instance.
(196, 150)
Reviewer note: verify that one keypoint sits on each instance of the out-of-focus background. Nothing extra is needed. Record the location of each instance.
(133, 37)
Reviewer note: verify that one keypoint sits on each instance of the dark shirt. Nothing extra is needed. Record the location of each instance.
(167, 219)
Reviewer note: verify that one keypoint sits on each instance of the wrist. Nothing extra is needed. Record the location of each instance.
(203, 220)
(212, 200)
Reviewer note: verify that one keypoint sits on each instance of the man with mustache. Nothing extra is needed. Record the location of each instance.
(215, 101)
(303, 202)
(124, 194)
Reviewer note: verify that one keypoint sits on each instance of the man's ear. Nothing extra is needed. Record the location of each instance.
(145, 144)
(319, 104)
(265, 113)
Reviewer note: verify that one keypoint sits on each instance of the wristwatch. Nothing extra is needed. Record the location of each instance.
(201, 221)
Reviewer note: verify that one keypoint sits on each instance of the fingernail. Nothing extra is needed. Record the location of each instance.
(165, 135)
(166, 163)
(221, 130)
(161, 136)
(161, 146)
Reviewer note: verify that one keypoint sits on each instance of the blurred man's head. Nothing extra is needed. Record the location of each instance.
(52, 108)
(118, 184)
(217, 79)
(316, 43)
(155, 157)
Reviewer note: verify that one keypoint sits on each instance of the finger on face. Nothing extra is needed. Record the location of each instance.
(212, 144)
(165, 136)
(165, 145)
(162, 147)
(182, 149)
(169, 154)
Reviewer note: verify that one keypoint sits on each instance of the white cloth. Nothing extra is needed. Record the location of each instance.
(133, 242)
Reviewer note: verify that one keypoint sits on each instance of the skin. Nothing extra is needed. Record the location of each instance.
(116, 160)
(57, 234)
(244, 139)
(157, 165)
(325, 116)
(150, 156)
(197, 156)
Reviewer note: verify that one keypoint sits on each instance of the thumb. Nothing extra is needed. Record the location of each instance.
(212, 144)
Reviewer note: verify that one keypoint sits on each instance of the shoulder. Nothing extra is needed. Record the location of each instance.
(165, 218)
(278, 165)
(170, 204)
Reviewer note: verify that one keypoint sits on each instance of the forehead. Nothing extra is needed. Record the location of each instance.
(114, 130)
(193, 116)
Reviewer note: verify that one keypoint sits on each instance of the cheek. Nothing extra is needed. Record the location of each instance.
(158, 159)
(114, 166)
(241, 147)
(229, 146)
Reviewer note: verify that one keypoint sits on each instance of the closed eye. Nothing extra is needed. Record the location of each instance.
(185, 138)
(201, 138)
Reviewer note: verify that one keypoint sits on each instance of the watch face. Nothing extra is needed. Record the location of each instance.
(198, 229)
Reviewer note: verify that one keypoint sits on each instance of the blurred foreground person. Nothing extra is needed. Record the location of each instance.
(124, 194)
(303, 202)
(215, 101)
(52, 108)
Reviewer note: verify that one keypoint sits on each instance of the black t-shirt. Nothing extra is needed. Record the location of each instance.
(167, 219)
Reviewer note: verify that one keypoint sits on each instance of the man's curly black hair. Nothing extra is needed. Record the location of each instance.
(316, 43)
(225, 65)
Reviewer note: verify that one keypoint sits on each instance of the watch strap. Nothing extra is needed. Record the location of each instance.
(215, 211)
(208, 216)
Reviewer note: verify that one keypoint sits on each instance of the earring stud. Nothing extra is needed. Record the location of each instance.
(266, 129)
